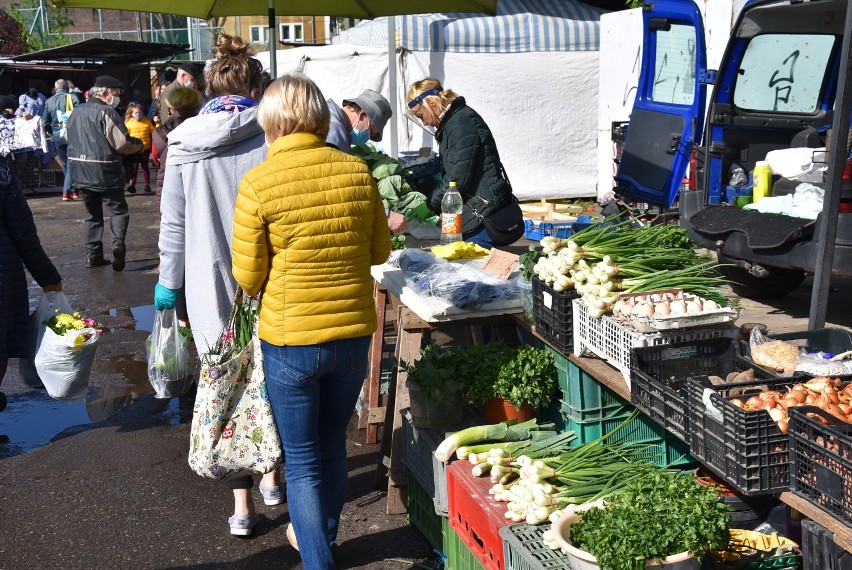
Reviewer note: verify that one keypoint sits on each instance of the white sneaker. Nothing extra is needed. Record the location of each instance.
(242, 525)
(272, 495)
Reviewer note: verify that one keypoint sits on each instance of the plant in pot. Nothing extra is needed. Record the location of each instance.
(660, 519)
(434, 388)
(514, 384)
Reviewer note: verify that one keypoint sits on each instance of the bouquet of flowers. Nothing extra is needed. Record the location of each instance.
(64, 323)
(66, 349)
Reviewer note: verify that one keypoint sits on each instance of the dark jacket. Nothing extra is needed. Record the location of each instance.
(58, 102)
(19, 247)
(97, 138)
(469, 156)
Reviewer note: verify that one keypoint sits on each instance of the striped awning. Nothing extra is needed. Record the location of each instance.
(520, 26)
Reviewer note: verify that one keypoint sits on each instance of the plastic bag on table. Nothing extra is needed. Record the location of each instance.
(777, 355)
(471, 288)
(819, 364)
(64, 362)
(168, 356)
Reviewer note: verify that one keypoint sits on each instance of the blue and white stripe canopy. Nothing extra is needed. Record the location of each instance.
(519, 26)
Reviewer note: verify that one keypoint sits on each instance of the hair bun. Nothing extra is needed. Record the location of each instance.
(231, 46)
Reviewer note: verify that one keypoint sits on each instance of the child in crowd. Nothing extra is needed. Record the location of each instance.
(139, 126)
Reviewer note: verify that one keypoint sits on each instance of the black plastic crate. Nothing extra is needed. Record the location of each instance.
(419, 170)
(658, 375)
(821, 456)
(554, 316)
(819, 551)
(745, 448)
(831, 340)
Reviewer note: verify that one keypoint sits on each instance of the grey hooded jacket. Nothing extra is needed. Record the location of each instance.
(207, 157)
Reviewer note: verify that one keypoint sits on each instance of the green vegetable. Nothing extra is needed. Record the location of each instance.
(434, 372)
(657, 515)
(527, 261)
(528, 378)
(504, 431)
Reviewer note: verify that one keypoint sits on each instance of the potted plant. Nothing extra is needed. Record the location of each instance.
(434, 388)
(509, 383)
(660, 519)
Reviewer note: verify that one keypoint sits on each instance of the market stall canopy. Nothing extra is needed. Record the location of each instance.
(206, 9)
(99, 51)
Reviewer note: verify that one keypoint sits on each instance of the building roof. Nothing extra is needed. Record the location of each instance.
(102, 52)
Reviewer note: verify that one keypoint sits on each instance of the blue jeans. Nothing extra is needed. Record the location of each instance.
(313, 390)
(62, 152)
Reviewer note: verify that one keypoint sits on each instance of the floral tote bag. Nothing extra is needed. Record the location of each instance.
(233, 431)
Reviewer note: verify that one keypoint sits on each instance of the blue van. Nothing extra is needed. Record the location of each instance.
(775, 89)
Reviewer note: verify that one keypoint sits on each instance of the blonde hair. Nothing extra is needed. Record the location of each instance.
(130, 106)
(445, 97)
(234, 71)
(185, 100)
(293, 104)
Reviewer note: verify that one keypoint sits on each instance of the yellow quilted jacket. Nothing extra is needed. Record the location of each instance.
(309, 222)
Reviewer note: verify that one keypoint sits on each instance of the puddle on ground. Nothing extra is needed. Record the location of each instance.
(33, 419)
(142, 315)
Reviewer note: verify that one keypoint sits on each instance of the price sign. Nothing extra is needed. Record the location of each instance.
(501, 263)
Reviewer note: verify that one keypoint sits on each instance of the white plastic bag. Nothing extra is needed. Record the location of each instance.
(168, 356)
(64, 363)
(798, 163)
(44, 310)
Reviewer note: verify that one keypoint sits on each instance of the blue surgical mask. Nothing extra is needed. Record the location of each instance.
(137, 116)
(360, 137)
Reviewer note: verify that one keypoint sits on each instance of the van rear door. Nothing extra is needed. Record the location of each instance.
(668, 114)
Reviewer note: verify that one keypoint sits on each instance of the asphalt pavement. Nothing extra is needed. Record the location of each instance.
(104, 483)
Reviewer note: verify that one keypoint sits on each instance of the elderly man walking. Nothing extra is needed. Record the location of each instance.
(96, 139)
(57, 111)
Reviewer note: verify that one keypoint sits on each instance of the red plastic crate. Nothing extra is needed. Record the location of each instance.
(474, 517)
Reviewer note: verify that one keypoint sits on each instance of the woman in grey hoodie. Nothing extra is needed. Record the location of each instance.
(207, 156)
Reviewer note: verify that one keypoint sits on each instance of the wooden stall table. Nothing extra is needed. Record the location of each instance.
(418, 318)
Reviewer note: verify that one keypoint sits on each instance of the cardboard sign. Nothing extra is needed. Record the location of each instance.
(501, 263)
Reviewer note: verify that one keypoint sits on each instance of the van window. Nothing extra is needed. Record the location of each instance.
(674, 65)
(783, 73)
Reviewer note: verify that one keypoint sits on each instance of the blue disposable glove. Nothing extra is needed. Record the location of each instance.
(164, 298)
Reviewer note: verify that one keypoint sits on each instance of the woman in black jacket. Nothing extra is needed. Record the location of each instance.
(468, 155)
(19, 247)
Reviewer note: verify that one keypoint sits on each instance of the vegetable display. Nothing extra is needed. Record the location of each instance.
(657, 515)
(608, 258)
(822, 392)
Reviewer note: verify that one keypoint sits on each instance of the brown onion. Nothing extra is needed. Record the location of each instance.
(798, 395)
(845, 408)
(831, 394)
(810, 399)
(738, 403)
(754, 402)
(783, 425)
(777, 415)
(789, 403)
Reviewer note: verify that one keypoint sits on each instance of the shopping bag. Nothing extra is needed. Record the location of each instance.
(168, 356)
(44, 310)
(233, 431)
(64, 362)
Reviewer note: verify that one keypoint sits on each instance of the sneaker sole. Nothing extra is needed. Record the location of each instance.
(241, 531)
(272, 502)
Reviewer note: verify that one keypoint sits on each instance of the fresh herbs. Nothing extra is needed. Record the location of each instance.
(477, 367)
(657, 515)
(237, 333)
(434, 372)
(528, 378)
(397, 241)
(527, 261)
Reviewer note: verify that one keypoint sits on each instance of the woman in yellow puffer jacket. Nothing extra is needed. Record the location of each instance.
(309, 222)
(139, 126)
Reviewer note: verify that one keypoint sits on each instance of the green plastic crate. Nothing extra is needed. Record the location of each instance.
(524, 549)
(421, 512)
(585, 396)
(788, 562)
(459, 556)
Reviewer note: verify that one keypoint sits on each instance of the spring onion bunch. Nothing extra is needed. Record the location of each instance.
(504, 431)
(604, 260)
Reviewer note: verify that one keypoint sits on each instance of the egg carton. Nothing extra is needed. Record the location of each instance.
(656, 323)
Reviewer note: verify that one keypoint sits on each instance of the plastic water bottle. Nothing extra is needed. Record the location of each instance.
(762, 177)
(451, 215)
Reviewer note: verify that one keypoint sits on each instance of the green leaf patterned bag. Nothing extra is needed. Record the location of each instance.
(233, 430)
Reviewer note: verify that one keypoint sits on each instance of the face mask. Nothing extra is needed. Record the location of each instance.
(137, 116)
(189, 83)
(115, 102)
(360, 137)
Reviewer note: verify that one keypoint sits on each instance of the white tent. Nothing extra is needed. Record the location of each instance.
(532, 73)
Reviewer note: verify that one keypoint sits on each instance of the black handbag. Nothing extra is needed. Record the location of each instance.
(504, 226)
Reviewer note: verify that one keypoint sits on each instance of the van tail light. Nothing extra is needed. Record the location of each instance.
(693, 176)
(846, 188)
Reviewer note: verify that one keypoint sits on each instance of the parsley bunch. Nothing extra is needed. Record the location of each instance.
(658, 515)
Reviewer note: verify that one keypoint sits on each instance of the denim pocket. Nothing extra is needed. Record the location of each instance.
(359, 354)
(290, 364)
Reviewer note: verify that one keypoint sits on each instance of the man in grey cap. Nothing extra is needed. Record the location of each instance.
(358, 120)
(97, 138)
